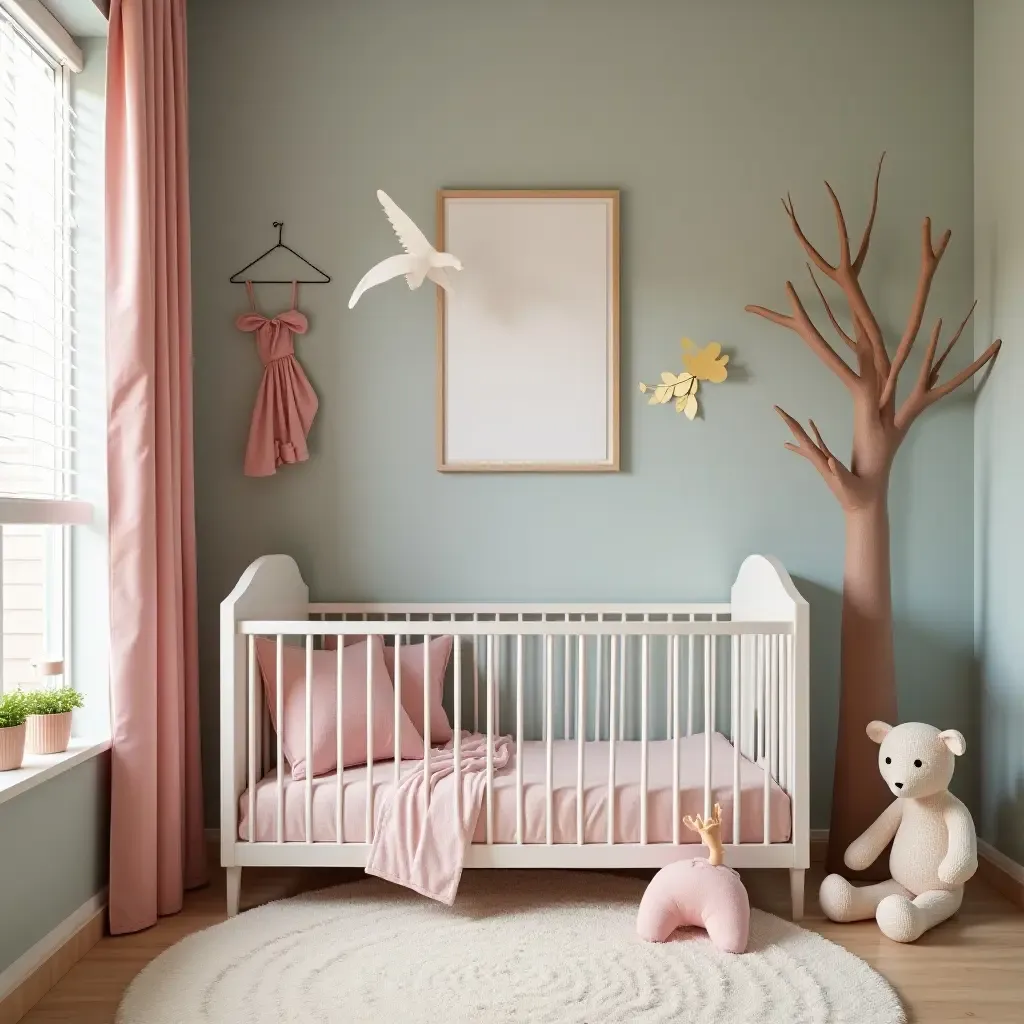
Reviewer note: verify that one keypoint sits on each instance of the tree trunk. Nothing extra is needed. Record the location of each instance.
(867, 682)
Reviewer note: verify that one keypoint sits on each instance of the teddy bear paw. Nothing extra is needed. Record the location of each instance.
(836, 898)
(898, 919)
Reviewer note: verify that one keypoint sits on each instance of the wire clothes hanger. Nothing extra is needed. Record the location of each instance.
(236, 278)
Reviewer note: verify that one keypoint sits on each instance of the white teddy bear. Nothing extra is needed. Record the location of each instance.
(935, 851)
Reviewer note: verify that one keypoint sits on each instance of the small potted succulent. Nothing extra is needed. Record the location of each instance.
(49, 718)
(13, 712)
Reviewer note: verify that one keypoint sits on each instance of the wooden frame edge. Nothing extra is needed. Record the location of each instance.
(614, 463)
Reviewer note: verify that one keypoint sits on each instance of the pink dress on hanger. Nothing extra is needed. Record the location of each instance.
(285, 403)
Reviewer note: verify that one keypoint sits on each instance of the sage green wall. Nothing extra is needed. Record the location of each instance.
(53, 853)
(999, 425)
(703, 114)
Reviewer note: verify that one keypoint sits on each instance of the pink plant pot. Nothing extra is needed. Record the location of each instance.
(12, 747)
(49, 734)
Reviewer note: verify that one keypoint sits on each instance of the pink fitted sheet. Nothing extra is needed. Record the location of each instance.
(595, 796)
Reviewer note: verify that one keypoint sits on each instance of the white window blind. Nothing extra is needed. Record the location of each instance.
(37, 427)
(37, 353)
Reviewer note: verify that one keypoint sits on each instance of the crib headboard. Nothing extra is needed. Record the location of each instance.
(271, 588)
(765, 592)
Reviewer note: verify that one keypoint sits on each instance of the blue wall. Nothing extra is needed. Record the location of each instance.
(703, 114)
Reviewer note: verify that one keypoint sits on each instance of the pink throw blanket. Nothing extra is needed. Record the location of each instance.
(419, 843)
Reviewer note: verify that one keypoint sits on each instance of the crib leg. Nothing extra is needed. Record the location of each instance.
(796, 892)
(234, 879)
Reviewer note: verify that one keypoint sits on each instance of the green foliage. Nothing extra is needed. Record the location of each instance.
(13, 709)
(52, 702)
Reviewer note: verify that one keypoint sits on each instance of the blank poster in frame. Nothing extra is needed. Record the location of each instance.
(528, 337)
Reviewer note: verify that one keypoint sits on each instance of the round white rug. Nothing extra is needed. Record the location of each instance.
(525, 947)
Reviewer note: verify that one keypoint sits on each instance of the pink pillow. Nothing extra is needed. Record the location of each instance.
(325, 706)
(412, 684)
(331, 642)
(696, 893)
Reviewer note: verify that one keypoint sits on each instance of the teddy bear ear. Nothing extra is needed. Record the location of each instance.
(877, 731)
(954, 740)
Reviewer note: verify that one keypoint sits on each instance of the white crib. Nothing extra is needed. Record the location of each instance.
(614, 696)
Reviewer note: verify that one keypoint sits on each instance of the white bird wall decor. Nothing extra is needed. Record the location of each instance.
(420, 260)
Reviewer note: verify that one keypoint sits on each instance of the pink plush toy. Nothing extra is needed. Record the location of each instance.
(699, 892)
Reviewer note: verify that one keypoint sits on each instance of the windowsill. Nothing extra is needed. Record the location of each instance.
(37, 768)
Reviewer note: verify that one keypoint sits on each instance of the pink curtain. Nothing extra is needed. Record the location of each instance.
(156, 819)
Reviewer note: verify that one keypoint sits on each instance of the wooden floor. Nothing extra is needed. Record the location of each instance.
(971, 968)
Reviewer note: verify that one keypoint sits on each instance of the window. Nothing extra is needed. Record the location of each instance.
(38, 505)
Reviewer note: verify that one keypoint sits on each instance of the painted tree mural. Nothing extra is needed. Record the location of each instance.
(880, 423)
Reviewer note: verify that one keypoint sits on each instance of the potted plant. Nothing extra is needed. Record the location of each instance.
(49, 719)
(13, 712)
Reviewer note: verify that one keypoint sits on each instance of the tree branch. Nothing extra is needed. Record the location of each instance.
(925, 394)
(801, 323)
(828, 309)
(845, 275)
(865, 241)
(934, 375)
(930, 258)
(844, 235)
(833, 472)
(819, 261)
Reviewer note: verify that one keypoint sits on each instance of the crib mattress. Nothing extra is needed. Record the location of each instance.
(595, 796)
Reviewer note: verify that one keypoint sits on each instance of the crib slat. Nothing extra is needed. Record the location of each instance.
(519, 739)
(750, 685)
(624, 648)
(737, 712)
(251, 695)
(714, 684)
(566, 690)
(612, 707)
(645, 672)
(707, 726)
(771, 682)
(490, 739)
(426, 722)
(309, 738)
(476, 677)
(690, 661)
(542, 653)
(549, 732)
(668, 683)
(599, 681)
(340, 802)
(773, 714)
(675, 740)
(369, 743)
(397, 727)
(279, 713)
(791, 724)
(581, 731)
(457, 730)
(781, 777)
(759, 689)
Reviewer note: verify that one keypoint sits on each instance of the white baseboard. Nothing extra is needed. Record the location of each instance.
(1001, 861)
(32, 959)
